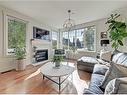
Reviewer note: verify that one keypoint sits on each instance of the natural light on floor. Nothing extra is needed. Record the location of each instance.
(33, 74)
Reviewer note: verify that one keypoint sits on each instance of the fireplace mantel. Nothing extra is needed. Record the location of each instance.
(40, 45)
(38, 41)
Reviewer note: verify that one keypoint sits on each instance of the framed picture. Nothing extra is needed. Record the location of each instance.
(103, 35)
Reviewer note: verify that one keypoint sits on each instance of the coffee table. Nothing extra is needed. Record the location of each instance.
(48, 71)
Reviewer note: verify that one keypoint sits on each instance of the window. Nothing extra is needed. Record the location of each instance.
(80, 39)
(65, 40)
(72, 39)
(89, 39)
(54, 40)
(16, 34)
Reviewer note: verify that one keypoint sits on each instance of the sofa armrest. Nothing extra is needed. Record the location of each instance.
(117, 86)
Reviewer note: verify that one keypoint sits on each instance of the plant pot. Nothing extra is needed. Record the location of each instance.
(57, 64)
(20, 65)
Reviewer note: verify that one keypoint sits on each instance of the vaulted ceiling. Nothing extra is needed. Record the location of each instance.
(54, 12)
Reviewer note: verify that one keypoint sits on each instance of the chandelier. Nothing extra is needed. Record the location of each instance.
(69, 22)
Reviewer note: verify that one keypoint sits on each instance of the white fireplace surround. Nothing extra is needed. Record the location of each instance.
(41, 45)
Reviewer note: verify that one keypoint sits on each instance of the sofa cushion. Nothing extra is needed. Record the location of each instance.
(122, 58)
(114, 71)
(96, 80)
(95, 89)
(119, 58)
(100, 69)
(122, 85)
(116, 57)
(87, 61)
(117, 86)
(111, 87)
(124, 62)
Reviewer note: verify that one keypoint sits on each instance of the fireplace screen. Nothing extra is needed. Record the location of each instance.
(41, 55)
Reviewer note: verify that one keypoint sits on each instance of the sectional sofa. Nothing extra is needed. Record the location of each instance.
(100, 68)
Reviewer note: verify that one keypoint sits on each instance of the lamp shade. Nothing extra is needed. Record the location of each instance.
(104, 42)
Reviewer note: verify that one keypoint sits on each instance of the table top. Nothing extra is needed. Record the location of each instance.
(49, 70)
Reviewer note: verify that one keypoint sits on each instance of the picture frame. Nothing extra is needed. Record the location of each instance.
(103, 35)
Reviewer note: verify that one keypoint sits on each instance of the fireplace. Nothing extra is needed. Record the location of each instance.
(41, 55)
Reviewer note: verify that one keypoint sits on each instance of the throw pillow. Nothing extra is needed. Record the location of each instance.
(111, 87)
(117, 86)
(105, 55)
(114, 71)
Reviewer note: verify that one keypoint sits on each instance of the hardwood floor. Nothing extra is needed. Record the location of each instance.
(30, 81)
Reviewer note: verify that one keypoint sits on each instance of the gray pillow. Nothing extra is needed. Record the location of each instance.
(117, 86)
(111, 87)
(114, 71)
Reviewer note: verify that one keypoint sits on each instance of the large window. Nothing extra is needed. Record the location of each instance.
(65, 40)
(72, 40)
(89, 38)
(80, 39)
(16, 34)
(54, 40)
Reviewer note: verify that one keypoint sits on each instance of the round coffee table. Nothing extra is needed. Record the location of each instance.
(49, 71)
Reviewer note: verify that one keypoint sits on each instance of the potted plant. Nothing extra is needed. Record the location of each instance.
(20, 54)
(57, 59)
(117, 30)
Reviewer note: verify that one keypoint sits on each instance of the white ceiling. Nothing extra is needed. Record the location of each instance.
(54, 13)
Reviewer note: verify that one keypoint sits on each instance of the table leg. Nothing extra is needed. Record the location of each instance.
(43, 77)
(59, 85)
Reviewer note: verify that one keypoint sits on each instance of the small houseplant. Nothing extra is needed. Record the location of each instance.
(57, 59)
(20, 54)
(117, 30)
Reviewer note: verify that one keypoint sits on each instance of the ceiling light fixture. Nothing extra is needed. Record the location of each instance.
(69, 22)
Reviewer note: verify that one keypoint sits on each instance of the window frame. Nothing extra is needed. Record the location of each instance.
(83, 49)
(5, 21)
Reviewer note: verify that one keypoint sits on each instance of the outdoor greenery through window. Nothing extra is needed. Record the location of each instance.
(72, 38)
(54, 40)
(16, 34)
(89, 38)
(80, 39)
(65, 40)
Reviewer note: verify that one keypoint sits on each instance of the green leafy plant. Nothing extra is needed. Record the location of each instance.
(117, 30)
(19, 53)
(57, 58)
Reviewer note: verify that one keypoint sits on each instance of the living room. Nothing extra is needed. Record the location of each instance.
(63, 47)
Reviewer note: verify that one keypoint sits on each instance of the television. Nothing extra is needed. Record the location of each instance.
(42, 34)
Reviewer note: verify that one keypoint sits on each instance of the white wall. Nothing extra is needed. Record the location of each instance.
(7, 62)
(123, 12)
